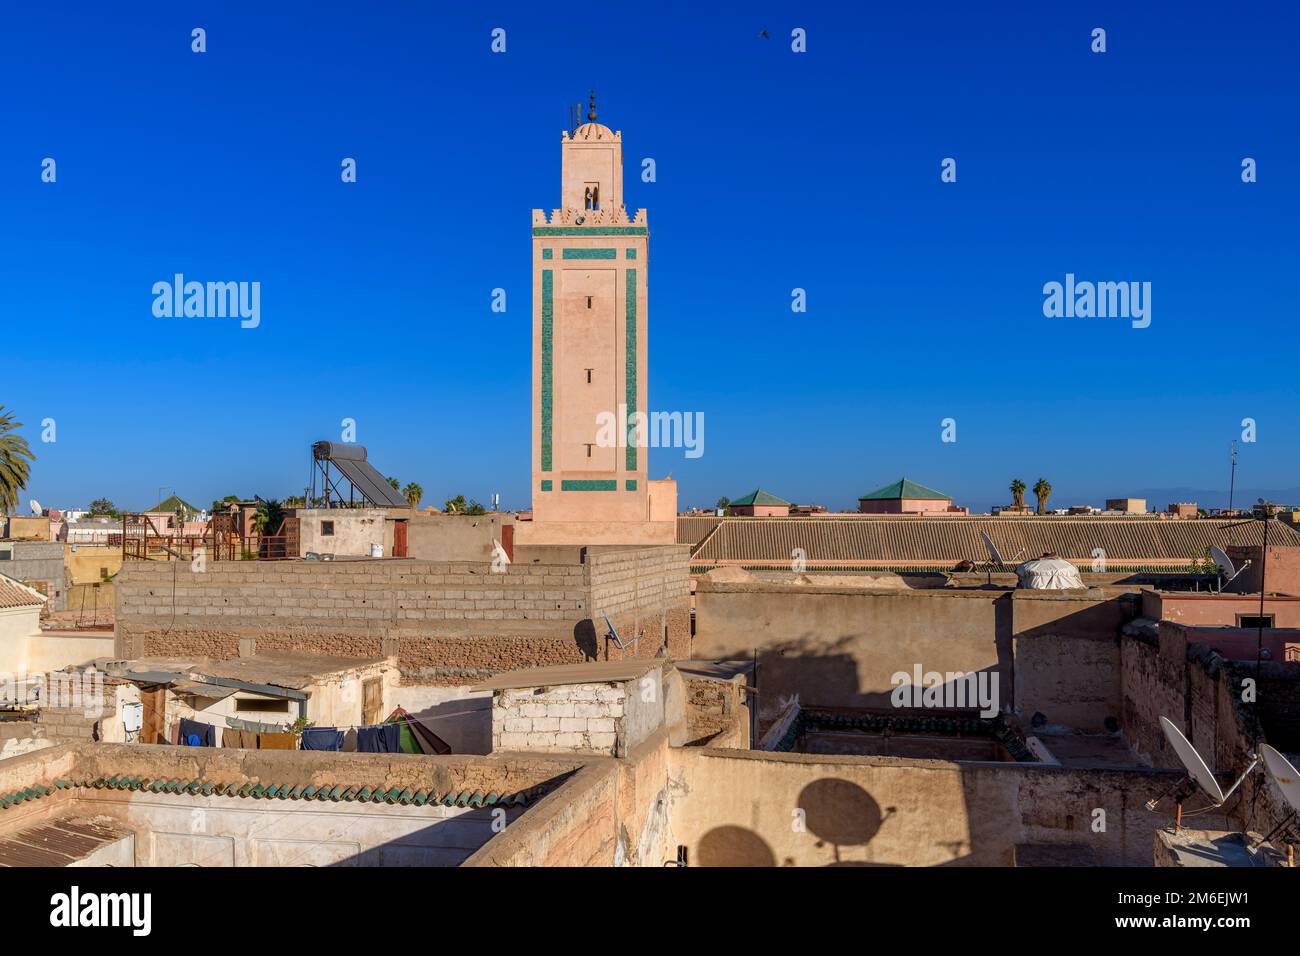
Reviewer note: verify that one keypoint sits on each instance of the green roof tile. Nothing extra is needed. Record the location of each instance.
(903, 488)
(759, 497)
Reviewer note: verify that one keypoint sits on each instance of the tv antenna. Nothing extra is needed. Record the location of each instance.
(1198, 776)
(1227, 570)
(1232, 484)
(1287, 779)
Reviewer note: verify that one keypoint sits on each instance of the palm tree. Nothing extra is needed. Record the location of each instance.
(1043, 491)
(394, 482)
(413, 493)
(1018, 493)
(14, 472)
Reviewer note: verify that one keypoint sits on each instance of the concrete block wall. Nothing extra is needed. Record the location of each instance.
(583, 718)
(646, 593)
(448, 622)
(34, 562)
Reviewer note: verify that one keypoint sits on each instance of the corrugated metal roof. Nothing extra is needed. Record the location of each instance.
(59, 842)
(848, 539)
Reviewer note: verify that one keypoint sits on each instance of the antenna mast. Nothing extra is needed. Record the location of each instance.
(1232, 485)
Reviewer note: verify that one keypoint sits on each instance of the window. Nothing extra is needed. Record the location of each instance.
(591, 196)
(6, 555)
(266, 706)
(1254, 620)
(589, 371)
(327, 529)
(589, 302)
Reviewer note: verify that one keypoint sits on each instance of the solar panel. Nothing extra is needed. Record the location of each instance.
(350, 460)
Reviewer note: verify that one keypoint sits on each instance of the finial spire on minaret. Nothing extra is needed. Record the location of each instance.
(591, 113)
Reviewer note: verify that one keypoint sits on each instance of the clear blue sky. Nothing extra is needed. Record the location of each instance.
(776, 170)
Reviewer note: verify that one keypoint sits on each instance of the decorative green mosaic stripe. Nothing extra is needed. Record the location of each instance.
(630, 484)
(630, 369)
(548, 320)
(631, 253)
(546, 484)
(589, 484)
(590, 231)
(590, 253)
(548, 253)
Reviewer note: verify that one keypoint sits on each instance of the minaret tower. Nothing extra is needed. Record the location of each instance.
(589, 357)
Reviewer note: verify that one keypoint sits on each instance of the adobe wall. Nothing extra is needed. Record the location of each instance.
(613, 812)
(1067, 659)
(742, 808)
(1201, 693)
(1217, 609)
(839, 647)
(448, 623)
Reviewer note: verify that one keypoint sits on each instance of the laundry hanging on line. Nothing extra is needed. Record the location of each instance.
(196, 734)
(233, 737)
(322, 738)
(379, 739)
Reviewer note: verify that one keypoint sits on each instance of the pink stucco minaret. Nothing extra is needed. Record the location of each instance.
(590, 260)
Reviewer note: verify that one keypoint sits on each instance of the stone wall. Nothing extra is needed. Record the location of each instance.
(840, 646)
(1201, 693)
(448, 623)
(751, 808)
(573, 717)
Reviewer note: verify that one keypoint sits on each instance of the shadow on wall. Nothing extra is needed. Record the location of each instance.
(584, 636)
(839, 813)
(465, 723)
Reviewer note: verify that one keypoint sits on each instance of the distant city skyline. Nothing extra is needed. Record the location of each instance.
(775, 171)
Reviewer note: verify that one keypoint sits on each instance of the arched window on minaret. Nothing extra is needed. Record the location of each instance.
(587, 201)
(595, 197)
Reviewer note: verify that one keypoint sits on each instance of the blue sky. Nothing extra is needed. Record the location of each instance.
(775, 170)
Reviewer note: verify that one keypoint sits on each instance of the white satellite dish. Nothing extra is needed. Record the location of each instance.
(994, 553)
(1224, 563)
(1284, 775)
(1191, 760)
(35, 506)
(1287, 779)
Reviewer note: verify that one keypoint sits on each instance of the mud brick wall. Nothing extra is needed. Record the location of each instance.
(448, 623)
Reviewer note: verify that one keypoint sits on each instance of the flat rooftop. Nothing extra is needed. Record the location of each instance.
(293, 671)
(594, 672)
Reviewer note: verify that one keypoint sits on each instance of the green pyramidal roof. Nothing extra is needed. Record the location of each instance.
(759, 497)
(904, 489)
(172, 505)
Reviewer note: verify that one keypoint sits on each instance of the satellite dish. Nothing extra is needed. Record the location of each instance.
(35, 506)
(994, 553)
(1284, 775)
(1287, 779)
(1191, 760)
(1225, 565)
